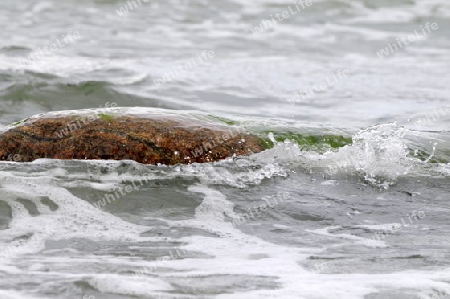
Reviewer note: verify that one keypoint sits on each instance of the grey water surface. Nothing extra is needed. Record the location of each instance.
(368, 219)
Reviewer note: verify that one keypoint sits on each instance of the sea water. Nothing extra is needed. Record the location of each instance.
(351, 200)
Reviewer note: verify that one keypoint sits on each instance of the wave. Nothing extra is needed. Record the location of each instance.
(379, 155)
(66, 213)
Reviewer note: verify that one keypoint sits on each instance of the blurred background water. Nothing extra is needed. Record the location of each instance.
(363, 219)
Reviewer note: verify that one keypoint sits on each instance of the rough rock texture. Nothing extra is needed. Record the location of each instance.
(149, 140)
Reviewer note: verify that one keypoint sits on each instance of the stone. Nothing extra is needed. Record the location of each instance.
(145, 135)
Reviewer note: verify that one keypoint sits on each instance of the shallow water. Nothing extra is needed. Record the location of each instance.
(351, 202)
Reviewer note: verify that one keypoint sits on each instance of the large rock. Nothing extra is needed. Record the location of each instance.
(148, 136)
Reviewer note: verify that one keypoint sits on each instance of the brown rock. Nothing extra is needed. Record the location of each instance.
(149, 139)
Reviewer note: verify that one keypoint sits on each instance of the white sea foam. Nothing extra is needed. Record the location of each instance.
(232, 255)
(69, 220)
(11, 294)
(252, 78)
(118, 284)
(230, 251)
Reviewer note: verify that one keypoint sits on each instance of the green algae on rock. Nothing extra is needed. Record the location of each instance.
(145, 135)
